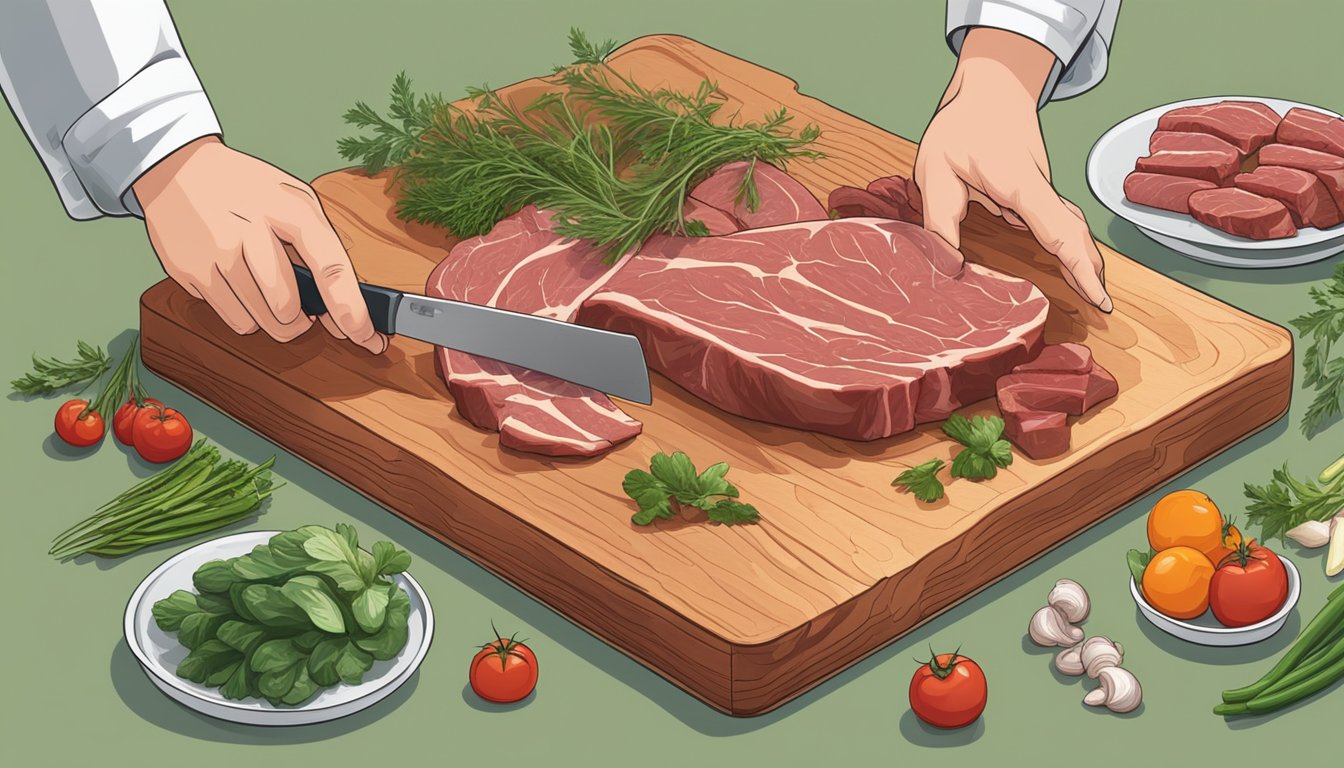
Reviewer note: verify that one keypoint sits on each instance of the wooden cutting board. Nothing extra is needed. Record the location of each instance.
(840, 564)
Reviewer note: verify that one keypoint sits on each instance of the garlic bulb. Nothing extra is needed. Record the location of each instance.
(1119, 692)
(1049, 627)
(1071, 599)
(1069, 661)
(1099, 653)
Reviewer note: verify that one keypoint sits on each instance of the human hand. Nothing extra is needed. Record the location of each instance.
(218, 220)
(984, 144)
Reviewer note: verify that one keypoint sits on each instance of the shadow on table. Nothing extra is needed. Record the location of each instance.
(147, 700)
(153, 706)
(1127, 239)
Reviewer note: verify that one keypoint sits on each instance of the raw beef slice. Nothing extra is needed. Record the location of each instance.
(1313, 130)
(1197, 142)
(1171, 193)
(1242, 213)
(1038, 396)
(1308, 201)
(857, 328)
(783, 200)
(521, 265)
(1246, 125)
(1328, 168)
(1213, 166)
(891, 197)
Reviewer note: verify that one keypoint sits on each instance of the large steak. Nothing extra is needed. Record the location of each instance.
(857, 328)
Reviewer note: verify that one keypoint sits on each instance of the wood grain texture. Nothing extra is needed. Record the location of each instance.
(747, 617)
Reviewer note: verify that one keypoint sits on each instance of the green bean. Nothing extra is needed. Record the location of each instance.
(1322, 626)
(1314, 684)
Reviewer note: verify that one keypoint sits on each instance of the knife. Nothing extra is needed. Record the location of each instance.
(603, 360)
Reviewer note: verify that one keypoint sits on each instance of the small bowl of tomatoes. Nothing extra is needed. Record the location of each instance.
(1203, 582)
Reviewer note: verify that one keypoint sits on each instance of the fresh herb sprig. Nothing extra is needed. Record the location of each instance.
(50, 375)
(922, 480)
(1286, 502)
(986, 451)
(1324, 326)
(613, 161)
(673, 478)
(196, 494)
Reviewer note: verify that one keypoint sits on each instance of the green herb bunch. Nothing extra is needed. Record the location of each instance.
(1324, 326)
(305, 611)
(614, 161)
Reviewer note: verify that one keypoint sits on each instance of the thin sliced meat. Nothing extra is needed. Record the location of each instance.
(1246, 125)
(1158, 190)
(521, 265)
(716, 221)
(1217, 167)
(890, 197)
(783, 199)
(1242, 213)
(1313, 130)
(1308, 201)
(1190, 142)
(1299, 157)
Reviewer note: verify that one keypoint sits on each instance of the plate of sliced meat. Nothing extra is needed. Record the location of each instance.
(1239, 181)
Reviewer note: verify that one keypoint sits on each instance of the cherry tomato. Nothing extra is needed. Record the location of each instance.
(123, 421)
(949, 692)
(160, 434)
(77, 425)
(504, 671)
(1249, 586)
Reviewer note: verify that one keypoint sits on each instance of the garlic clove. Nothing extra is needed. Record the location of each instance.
(1099, 653)
(1120, 691)
(1069, 661)
(1311, 534)
(1095, 698)
(1334, 557)
(1071, 599)
(1048, 628)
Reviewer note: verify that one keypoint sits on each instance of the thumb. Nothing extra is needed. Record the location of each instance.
(945, 198)
(1063, 232)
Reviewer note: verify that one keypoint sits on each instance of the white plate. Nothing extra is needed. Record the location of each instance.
(1112, 159)
(1205, 630)
(159, 652)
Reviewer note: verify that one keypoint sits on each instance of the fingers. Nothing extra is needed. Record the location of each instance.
(1061, 229)
(1012, 219)
(945, 198)
(221, 298)
(247, 288)
(270, 270)
(307, 228)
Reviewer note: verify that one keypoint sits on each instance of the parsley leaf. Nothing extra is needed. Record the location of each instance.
(1324, 327)
(922, 480)
(586, 52)
(986, 451)
(50, 375)
(674, 477)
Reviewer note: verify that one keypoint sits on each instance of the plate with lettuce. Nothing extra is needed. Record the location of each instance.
(281, 627)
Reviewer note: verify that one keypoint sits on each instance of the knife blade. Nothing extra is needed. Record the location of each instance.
(609, 362)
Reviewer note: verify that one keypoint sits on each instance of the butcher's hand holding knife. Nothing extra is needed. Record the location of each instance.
(107, 97)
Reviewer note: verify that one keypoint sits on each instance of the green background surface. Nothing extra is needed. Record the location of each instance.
(280, 75)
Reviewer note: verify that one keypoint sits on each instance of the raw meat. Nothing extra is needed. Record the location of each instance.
(891, 197)
(1159, 190)
(1313, 130)
(1038, 396)
(521, 265)
(1038, 434)
(1299, 157)
(1307, 199)
(783, 200)
(1214, 166)
(1178, 140)
(1246, 125)
(1067, 357)
(857, 328)
(1242, 213)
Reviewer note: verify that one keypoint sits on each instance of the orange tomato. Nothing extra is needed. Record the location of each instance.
(1176, 582)
(1187, 519)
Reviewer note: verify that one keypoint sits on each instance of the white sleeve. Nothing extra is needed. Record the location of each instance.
(104, 90)
(1078, 32)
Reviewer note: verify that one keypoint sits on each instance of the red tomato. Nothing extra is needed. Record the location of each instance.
(949, 692)
(1249, 586)
(160, 434)
(78, 425)
(504, 671)
(123, 422)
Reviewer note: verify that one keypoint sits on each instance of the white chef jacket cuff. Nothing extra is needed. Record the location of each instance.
(162, 108)
(1080, 53)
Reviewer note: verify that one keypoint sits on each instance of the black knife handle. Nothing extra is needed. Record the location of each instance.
(382, 302)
